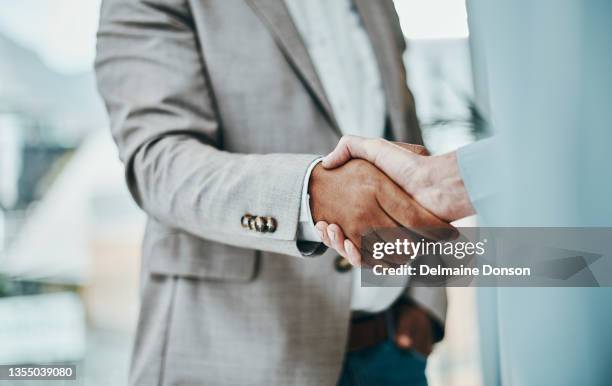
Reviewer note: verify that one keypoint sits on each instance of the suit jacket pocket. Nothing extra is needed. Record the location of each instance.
(181, 254)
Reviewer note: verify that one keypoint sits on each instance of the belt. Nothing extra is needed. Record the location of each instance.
(368, 331)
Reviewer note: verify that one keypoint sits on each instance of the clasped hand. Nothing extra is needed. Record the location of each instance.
(369, 184)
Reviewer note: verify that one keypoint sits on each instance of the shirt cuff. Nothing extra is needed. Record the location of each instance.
(306, 228)
(477, 165)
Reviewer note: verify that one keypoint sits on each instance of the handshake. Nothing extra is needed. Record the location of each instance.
(382, 184)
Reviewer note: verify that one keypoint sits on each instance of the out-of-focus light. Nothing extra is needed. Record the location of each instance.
(10, 160)
(61, 32)
(433, 19)
(42, 328)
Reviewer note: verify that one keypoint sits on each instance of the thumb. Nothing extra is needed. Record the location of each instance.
(349, 147)
(345, 150)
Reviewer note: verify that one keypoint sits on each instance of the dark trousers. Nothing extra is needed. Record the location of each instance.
(383, 365)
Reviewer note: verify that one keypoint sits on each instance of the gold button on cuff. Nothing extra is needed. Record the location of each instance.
(342, 265)
(270, 224)
(252, 223)
(244, 220)
(260, 224)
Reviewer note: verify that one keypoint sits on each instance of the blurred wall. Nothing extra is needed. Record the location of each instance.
(547, 66)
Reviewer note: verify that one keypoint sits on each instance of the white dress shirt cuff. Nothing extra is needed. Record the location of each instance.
(306, 227)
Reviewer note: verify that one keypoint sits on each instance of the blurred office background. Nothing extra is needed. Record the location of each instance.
(70, 233)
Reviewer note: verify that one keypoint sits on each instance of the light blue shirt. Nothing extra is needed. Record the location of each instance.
(546, 65)
(477, 167)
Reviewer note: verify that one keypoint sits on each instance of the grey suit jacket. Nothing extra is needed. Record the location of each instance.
(217, 111)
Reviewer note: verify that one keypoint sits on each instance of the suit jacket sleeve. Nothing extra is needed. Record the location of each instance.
(152, 76)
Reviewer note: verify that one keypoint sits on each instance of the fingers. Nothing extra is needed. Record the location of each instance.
(417, 149)
(379, 230)
(337, 238)
(321, 227)
(349, 251)
(408, 213)
(398, 161)
(352, 253)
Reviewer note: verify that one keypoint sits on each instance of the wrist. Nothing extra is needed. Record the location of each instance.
(315, 183)
(456, 187)
(437, 184)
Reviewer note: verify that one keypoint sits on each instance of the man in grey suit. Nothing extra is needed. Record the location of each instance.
(220, 109)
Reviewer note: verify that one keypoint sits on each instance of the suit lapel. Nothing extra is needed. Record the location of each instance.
(276, 16)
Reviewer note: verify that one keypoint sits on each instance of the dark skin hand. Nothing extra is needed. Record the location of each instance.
(435, 182)
(357, 198)
(366, 196)
(446, 200)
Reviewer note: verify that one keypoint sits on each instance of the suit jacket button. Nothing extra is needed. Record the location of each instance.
(260, 224)
(270, 224)
(342, 265)
(244, 221)
(252, 223)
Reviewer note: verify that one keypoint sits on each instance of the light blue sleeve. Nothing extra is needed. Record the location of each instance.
(478, 168)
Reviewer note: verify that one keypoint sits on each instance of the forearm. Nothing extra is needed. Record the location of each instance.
(165, 122)
(201, 190)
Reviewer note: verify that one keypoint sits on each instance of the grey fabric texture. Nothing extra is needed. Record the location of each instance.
(217, 112)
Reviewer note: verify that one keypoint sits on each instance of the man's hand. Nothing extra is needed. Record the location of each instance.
(434, 182)
(357, 198)
(414, 329)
